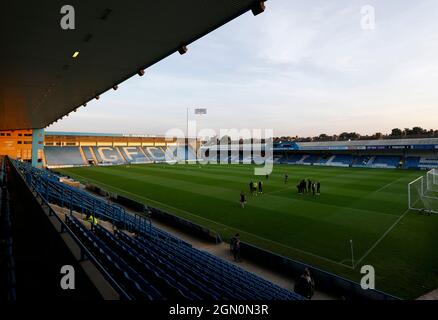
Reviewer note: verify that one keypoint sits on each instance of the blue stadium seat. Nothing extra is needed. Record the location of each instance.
(155, 265)
(428, 162)
(343, 159)
(386, 162)
(412, 163)
(108, 155)
(134, 155)
(63, 156)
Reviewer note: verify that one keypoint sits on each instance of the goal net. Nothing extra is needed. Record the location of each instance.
(432, 181)
(420, 197)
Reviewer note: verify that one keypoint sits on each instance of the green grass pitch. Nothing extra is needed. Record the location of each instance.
(368, 206)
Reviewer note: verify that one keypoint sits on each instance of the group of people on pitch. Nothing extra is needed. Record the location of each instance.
(255, 188)
(309, 186)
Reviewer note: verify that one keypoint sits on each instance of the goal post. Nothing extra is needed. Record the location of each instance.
(420, 197)
(432, 180)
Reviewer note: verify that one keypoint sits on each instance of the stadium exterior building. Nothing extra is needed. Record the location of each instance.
(66, 149)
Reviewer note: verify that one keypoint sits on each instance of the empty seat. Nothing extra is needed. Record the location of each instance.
(63, 156)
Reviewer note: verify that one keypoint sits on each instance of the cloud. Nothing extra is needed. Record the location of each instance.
(300, 68)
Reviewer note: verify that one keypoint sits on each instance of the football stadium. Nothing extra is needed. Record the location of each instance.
(89, 215)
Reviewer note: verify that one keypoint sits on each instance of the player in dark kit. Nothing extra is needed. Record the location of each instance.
(260, 185)
(318, 188)
(309, 185)
(286, 177)
(303, 186)
(242, 199)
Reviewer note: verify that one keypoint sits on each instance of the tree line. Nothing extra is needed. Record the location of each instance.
(396, 133)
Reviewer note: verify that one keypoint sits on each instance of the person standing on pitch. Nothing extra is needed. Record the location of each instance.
(260, 187)
(318, 188)
(309, 185)
(242, 199)
(313, 188)
(303, 186)
(254, 188)
(286, 177)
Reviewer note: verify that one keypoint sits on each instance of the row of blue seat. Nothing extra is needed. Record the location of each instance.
(341, 160)
(150, 265)
(82, 155)
(171, 283)
(135, 284)
(166, 270)
(248, 285)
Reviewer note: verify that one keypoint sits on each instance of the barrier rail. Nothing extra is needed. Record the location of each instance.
(84, 252)
(324, 280)
(48, 186)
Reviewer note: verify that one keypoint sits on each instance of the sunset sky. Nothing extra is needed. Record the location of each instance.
(300, 68)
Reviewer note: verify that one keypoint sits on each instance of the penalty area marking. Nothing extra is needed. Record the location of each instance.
(389, 184)
(219, 224)
(381, 238)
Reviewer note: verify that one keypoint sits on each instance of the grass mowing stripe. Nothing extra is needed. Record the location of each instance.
(360, 204)
(215, 222)
(381, 238)
(215, 191)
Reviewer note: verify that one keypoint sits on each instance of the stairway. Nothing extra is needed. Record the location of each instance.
(329, 161)
(371, 161)
(84, 158)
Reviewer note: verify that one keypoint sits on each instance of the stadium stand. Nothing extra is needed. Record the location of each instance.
(428, 162)
(63, 156)
(191, 154)
(294, 158)
(134, 155)
(88, 154)
(108, 155)
(361, 161)
(351, 144)
(37, 249)
(324, 160)
(182, 153)
(412, 162)
(384, 162)
(387, 154)
(151, 265)
(310, 159)
(341, 160)
(156, 154)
